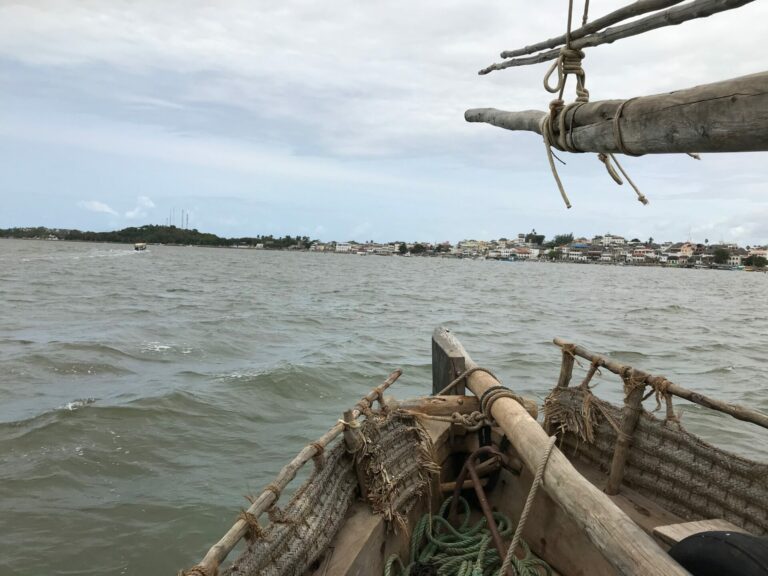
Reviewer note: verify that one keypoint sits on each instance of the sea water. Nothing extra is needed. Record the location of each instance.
(144, 394)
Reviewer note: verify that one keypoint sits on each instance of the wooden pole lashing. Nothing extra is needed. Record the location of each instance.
(735, 410)
(725, 116)
(633, 406)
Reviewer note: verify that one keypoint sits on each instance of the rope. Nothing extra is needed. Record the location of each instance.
(439, 548)
(510, 557)
(471, 422)
(464, 375)
(569, 62)
(197, 571)
(492, 394)
(255, 531)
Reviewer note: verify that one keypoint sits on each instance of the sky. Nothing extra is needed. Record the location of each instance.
(343, 120)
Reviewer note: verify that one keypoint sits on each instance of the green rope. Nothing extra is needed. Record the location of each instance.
(440, 549)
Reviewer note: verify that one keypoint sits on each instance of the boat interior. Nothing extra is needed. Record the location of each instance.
(574, 487)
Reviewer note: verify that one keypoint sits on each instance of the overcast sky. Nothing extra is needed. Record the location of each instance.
(344, 120)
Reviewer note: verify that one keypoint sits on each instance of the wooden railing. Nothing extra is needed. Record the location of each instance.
(640, 382)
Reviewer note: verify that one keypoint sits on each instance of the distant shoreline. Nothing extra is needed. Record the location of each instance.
(424, 255)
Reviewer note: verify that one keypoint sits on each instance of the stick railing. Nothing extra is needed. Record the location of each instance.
(217, 554)
(738, 412)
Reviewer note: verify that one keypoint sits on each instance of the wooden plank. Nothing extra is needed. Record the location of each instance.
(626, 547)
(447, 364)
(439, 405)
(727, 116)
(673, 533)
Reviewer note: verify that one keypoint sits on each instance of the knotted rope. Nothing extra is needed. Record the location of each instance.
(255, 531)
(569, 63)
(494, 393)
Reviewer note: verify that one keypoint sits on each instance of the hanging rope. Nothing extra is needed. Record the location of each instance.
(516, 539)
(569, 63)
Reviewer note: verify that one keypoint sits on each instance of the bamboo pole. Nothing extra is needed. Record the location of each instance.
(670, 17)
(725, 116)
(219, 551)
(738, 412)
(629, 550)
(630, 11)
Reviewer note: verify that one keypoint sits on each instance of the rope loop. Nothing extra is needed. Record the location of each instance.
(274, 489)
(490, 396)
(255, 531)
(568, 62)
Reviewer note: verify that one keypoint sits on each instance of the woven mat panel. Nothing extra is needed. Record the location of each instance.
(396, 459)
(301, 531)
(677, 470)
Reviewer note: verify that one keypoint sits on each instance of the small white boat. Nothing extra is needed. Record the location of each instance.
(139, 246)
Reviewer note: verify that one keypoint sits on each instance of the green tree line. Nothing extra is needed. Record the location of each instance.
(153, 234)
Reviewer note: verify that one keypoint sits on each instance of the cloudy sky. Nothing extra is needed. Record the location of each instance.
(344, 120)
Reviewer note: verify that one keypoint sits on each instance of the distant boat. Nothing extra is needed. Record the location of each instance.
(139, 246)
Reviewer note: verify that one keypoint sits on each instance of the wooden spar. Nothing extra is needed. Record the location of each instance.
(727, 116)
(738, 412)
(630, 11)
(629, 550)
(219, 551)
(670, 17)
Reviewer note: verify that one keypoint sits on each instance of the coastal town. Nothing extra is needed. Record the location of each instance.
(605, 249)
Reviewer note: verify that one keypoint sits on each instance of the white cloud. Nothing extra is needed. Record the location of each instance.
(365, 99)
(139, 211)
(96, 206)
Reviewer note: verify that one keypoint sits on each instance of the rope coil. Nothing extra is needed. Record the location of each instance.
(494, 393)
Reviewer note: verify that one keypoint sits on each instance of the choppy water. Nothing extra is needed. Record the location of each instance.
(143, 394)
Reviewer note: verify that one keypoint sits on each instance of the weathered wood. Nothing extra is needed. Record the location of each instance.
(353, 440)
(439, 405)
(566, 369)
(727, 116)
(738, 412)
(219, 551)
(633, 405)
(674, 533)
(630, 550)
(447, 365)
(632, 10)
(670, 17)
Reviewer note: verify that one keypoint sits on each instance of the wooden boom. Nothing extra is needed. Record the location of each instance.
(630, 550)
(727, 116)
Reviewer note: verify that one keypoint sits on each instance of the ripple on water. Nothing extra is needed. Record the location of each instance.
(211, 368)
